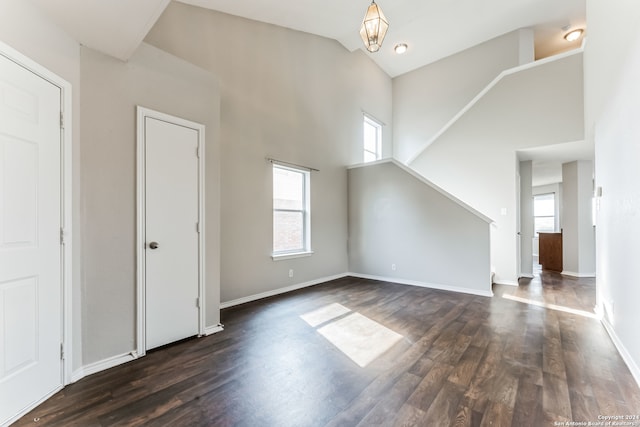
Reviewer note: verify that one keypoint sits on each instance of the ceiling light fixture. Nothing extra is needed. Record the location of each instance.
(374, 28)
(573, 35)
(400, 48)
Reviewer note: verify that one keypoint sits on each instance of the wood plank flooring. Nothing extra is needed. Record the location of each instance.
(463, 360)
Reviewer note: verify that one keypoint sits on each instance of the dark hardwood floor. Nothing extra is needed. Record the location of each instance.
(517, 359)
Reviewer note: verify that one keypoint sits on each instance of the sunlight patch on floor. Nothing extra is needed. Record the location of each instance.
(361, 339)
(324, 314)
(551, 306)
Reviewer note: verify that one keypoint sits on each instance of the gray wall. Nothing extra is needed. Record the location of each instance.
(475, 159)
(424, 100)
(396, 218)
(578, 235)
(111, 90)
(288, 95)
(612, 108)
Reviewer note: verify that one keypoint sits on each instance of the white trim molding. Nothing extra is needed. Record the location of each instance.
(66, 193)
(631, 364)
(506, 282)
(574, 274)
(279, 291)
(424, 180)
(484, 91)
(104, 364)
(440, 287)
(142, 114)
(209, 330)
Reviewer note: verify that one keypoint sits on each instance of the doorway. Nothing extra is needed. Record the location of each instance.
(35, 224)
(170, 247)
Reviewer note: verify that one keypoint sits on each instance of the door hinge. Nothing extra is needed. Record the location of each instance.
(61, 120)
(198, 226)
(198, 151)
(61, 351)
(198, 302)
(61, 236)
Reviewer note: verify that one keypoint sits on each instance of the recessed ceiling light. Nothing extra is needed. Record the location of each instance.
(401, 48)
(574, 35)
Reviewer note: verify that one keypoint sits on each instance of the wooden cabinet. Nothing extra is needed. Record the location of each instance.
(550, 251)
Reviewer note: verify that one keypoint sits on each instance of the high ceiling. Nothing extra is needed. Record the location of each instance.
(433, 29)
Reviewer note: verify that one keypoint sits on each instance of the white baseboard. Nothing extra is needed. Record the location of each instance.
(478, 292)
(102, 365)
(631, 364)
(279, 291)
(506, 282)
(208, 330)
(574, 274)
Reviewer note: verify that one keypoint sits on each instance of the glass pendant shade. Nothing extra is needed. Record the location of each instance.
(374, 28)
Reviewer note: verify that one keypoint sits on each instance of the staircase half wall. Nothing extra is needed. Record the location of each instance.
(475, 157)
(404, 229)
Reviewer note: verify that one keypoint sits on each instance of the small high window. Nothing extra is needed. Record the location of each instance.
(291, 210)
(372, 139)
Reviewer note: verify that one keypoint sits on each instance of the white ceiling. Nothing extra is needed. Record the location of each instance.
(547, 161)
(433, 29)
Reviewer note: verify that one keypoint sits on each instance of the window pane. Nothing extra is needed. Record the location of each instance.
(544, 205)
(369, 157)
(288, 231)
(288, 189)
(372, 138)
(544, 224)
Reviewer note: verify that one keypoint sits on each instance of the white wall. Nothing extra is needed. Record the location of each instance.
(397, 220)
(111, 89)
(288, 95)
(578, 235)
(26, 29)
(424, 100)
(612, 108)
(475, 159)
(526, 218)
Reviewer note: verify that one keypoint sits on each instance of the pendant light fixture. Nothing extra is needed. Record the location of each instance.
(374, 28)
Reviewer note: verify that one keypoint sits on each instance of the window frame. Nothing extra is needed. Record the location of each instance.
(370, 121)
(305, 250)
(554, 216)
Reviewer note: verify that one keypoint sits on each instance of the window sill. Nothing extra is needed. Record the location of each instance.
(282, 257)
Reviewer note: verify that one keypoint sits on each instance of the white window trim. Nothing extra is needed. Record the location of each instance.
(306, 250)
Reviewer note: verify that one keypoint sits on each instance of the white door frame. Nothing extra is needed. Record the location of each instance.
(143, 113)
(66, 206)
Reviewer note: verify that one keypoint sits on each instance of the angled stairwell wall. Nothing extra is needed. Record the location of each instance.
(424, 100)
(404, 229)
(474, 156)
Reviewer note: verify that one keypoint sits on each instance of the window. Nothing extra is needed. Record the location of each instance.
(544, 212)
(291, 216)
(372, 139)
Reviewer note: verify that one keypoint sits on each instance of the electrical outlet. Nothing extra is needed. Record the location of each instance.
(393, 267)
(290, 272)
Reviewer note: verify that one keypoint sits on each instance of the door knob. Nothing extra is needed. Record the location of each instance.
(153, 245)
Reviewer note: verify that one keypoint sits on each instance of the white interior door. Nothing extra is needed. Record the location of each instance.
(30, 248)
(171, 228)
